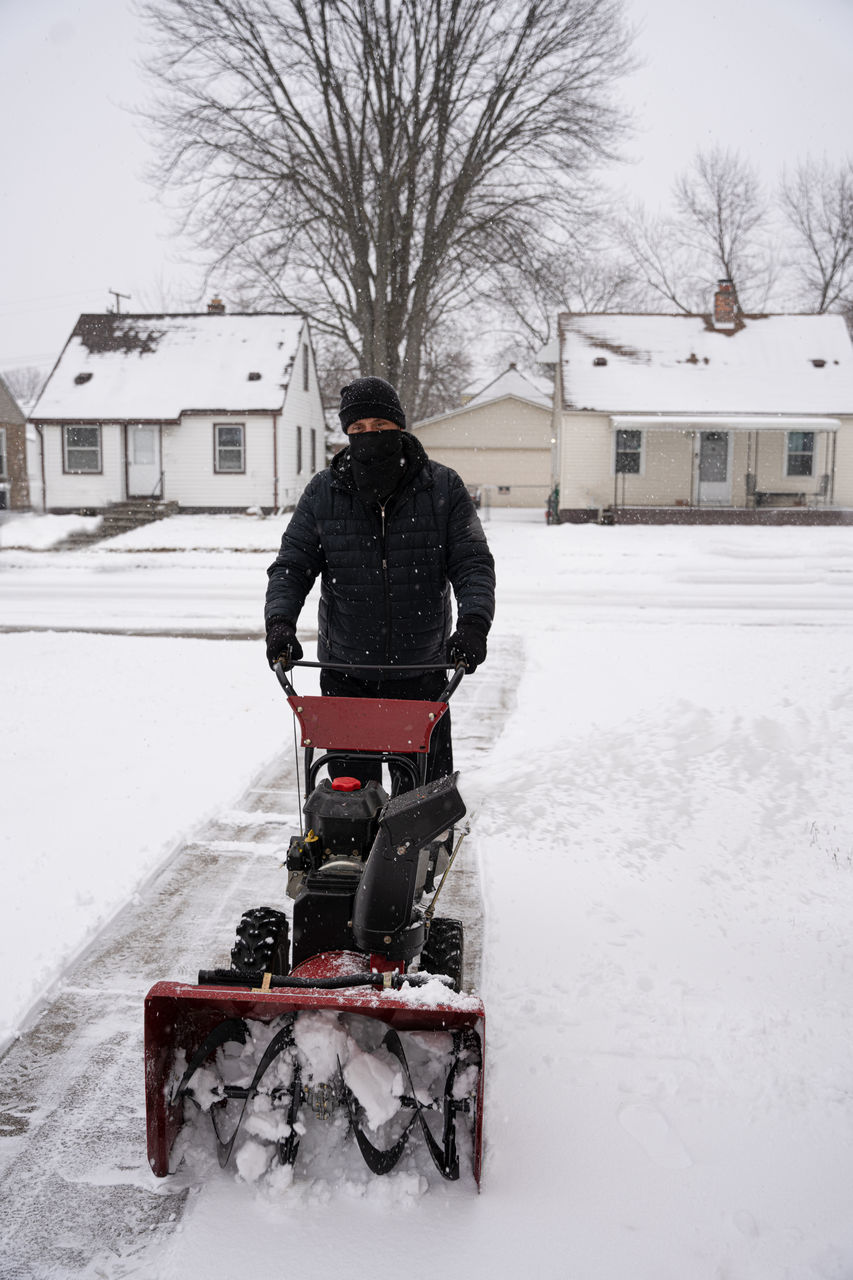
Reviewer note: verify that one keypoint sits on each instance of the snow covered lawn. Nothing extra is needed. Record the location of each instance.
(40, 532)
(665, 830)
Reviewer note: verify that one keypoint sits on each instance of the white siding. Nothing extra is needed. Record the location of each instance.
(188, 463)
(585, 461)
(302, 409)
(844, 465)
(68, 492)
(504, 444)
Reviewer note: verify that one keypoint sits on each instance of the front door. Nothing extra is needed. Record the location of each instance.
(143, 461)
(715, 485)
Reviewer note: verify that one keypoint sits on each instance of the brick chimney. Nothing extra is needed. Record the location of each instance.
(216, 307)
(725, 305)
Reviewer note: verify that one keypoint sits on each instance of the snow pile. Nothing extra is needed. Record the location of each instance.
(27, 531)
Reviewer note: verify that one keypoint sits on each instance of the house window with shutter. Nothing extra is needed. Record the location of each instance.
(305, 368)
(299, 451)
(4, 470)
(800, 453)
(229, 451)
(629, 451)
(313, 449)
(81, 450)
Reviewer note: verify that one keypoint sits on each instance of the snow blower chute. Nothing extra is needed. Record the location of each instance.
(359, 1018)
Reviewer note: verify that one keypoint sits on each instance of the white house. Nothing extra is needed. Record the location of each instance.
(212, 412)
(499, 440)
(690, 418)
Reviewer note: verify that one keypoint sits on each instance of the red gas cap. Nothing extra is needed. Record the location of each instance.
(346, 784)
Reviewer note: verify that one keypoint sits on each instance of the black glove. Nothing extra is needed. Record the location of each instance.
(468, 644)
(282, 642)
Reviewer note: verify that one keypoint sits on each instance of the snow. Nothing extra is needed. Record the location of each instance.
(164, 365)
(679, 364)
(40, 532)
(98, 729)
(513, 382)
(665, 834)
(203, 533)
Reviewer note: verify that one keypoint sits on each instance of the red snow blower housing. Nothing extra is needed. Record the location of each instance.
(241, 1044)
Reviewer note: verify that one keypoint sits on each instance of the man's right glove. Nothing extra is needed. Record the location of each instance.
(282, 643)
(468, 644)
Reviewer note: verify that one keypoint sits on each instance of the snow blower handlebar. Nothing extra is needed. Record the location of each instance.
(451, 687)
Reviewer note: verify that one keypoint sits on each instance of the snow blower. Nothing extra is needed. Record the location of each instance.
(359, 1018)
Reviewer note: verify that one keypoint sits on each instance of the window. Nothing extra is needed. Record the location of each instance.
(313, 449)
(81, 449)
(305, 367)
(229, 452)
(3, 471)
(800, 453)
(142, 447)
(629, 445)
(299, 451)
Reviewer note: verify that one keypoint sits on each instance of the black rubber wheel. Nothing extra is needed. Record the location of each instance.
(444, 950)
(262, 942)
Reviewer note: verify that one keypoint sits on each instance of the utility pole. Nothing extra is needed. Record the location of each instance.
(117, 297)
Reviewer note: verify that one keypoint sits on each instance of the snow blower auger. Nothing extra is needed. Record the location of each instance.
(337, 1026)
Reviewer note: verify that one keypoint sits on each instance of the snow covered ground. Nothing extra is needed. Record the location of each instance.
(40, 532)
(665, 833)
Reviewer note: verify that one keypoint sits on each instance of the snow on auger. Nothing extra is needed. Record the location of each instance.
(336, 1027)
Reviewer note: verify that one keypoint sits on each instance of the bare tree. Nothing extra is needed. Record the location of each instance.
(817, 201)
(666, 269)
(725, 217)
(587, 273)
(369, 161)
(25, 384)
(720, 228)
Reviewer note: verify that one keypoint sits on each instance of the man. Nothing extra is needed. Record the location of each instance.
(390, 533)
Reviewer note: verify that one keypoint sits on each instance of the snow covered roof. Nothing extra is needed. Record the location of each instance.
(156, 367)
(789, 364)
(512, 382)
(10, 413)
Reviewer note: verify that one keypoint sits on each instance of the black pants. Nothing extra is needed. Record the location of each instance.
(426, 687)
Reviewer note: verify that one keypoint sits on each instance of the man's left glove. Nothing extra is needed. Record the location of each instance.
(468, 644)
(282, 642)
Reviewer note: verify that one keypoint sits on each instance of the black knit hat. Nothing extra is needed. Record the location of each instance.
(370, 398)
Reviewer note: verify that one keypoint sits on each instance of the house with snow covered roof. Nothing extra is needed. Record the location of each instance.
(210, 412)
(14, 489)
(498, 440)
(703, 418)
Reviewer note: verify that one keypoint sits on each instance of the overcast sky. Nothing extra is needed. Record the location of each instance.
(770, 77)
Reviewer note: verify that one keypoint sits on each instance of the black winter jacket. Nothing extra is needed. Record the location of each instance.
(386, 575)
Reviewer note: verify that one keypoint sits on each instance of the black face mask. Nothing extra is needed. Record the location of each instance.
(372, 447)
(377, 458)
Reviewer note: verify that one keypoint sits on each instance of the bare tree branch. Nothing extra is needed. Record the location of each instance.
(817, 201)
(720, 228)
(366, 159)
